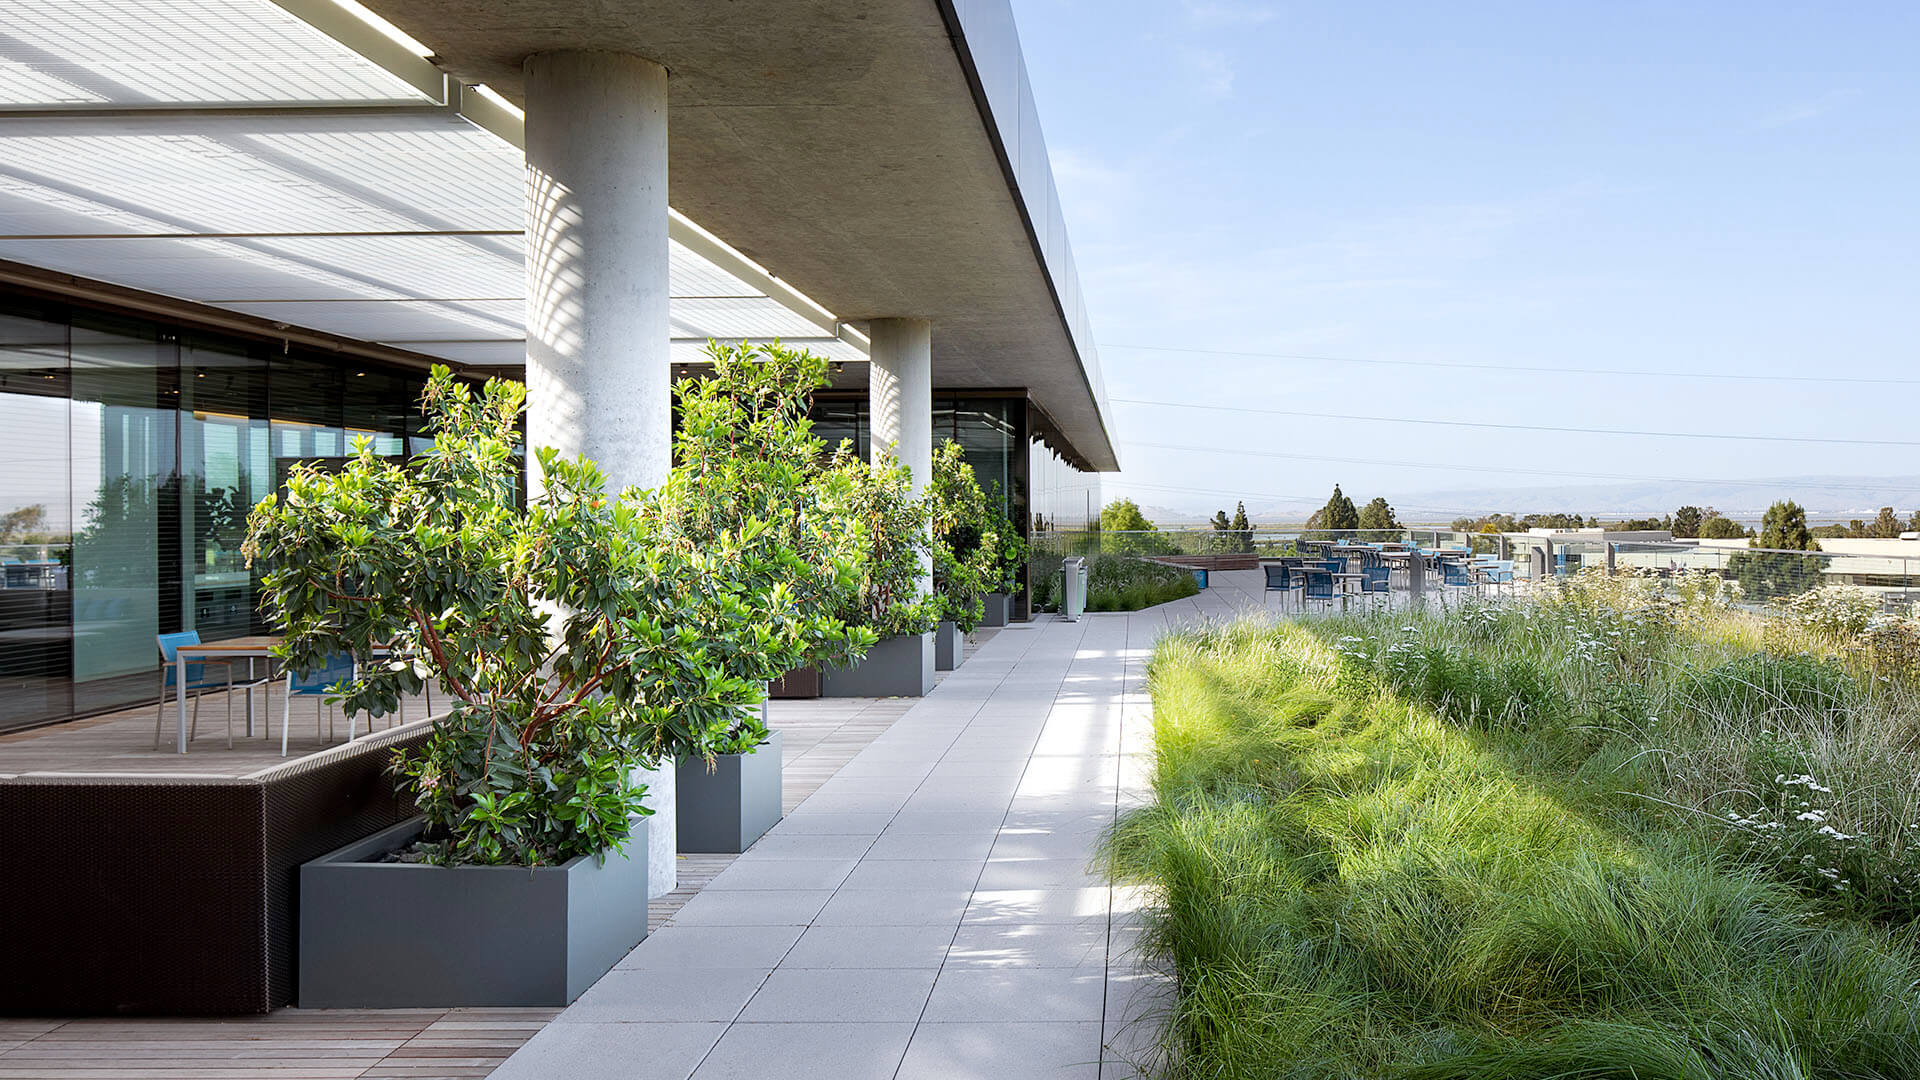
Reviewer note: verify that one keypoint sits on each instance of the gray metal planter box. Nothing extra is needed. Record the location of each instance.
(896, 667)
(725, 810)
(406, 935)
(948, 645)
(999, 610)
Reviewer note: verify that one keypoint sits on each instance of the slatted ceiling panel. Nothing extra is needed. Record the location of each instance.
(31, 208)
(22, 84)
(211, 270)
(692, 275)
(757, 317)
(477, 178)
(490, 354)
(193, 183)
(208, 51)
(415, 178)
(421, 267)
(695, 352)
(388, 320)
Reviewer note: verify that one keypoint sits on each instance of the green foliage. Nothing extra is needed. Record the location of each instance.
(747, 465)
(579, 637)
(967, 551)
(1784, 528)
(1686, 522)
(1349, 882)
(1339, 515)
(882, 520)
(1124, 583)
(1010, 549)
(1123, 515)
(1378, 516)
(1715, 527)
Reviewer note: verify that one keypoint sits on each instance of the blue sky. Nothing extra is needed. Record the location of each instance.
(1670, 187)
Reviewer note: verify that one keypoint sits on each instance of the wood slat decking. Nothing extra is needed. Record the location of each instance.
(818, 736)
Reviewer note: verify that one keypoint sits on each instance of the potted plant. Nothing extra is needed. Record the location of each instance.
(1009, 560)
(963, 552)
(581, 637)
(884, 528)
(747, 464)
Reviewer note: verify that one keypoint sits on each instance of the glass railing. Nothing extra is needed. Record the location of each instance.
(1764, 575)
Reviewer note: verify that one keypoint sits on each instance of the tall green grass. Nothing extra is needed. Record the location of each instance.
(1461, 846)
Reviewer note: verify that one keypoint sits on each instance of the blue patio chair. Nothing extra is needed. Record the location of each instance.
(1276, 577)
(314, 684)
(1455, 573)
(1318, 585)
(1375, 579)
(198, 683)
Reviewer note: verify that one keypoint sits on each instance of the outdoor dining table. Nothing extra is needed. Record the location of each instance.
(260, 646)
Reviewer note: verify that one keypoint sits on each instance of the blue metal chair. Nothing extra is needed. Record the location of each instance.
(314, 684)
(1276, 577)
(1318, 585)
(1375, 579)
(198, 683)
(1456, 573)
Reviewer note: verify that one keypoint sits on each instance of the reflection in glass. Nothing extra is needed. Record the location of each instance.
(36, 522)
(124, 486)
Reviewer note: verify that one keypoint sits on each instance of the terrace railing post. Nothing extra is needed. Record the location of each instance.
(1612, 558)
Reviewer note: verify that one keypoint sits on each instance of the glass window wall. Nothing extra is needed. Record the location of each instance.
(134, 452)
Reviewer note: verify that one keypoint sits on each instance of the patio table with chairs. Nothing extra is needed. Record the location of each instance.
(186, 659)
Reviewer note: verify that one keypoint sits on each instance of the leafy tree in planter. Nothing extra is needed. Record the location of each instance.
(874, 506)
(965, 554)
(579, 637)
(747, 464)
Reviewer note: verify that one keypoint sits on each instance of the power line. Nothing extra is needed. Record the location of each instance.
(1525, 368)
(1521, 427)
(1506, 470)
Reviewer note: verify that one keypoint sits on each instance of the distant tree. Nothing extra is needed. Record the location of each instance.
(1242, 529)
(1686, 522)
(1641, 524)
(1887, 526)
(1221, 541)
(1772, 572)
(1377, 516)
(1125, 530)
(1339, 514)
(1784, 528)
(1715, 527)
(1123, 515)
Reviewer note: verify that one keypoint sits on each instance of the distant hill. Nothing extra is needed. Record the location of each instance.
(1827, 498)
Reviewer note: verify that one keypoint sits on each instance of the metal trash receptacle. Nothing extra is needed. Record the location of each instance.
(1073, 588)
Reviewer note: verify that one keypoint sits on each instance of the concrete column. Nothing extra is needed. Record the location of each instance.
(900, 402)
(597, 335)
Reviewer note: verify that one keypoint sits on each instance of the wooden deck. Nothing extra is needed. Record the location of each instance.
(122, 742)
(818, 736)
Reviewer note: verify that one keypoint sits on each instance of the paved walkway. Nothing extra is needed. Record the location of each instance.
(929, 912)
